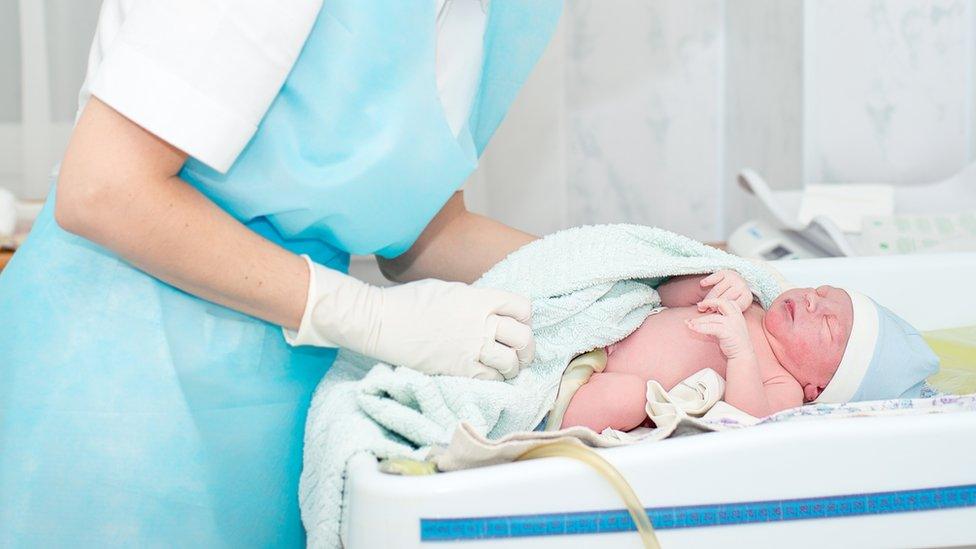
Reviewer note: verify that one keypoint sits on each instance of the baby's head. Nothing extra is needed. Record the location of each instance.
(842, 346)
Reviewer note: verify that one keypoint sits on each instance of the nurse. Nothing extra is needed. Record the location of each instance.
(184, 289)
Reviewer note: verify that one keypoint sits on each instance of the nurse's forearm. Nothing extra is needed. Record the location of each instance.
(456, 245)
(118, 188)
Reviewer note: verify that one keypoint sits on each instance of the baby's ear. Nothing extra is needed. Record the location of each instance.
(810, 392)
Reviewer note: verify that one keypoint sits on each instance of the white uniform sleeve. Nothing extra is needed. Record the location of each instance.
(200, 74)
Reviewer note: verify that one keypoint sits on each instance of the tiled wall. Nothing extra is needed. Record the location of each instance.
(889, 90)
(643, 110)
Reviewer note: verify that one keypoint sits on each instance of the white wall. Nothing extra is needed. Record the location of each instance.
(643, 110)
(889, 89)
(625, 108)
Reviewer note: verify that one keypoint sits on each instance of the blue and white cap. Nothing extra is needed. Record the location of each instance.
(885, 358)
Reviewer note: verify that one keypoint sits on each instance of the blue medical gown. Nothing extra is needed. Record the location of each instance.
(132, 413)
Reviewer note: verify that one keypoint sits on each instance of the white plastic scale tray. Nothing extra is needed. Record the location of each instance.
(858, 482)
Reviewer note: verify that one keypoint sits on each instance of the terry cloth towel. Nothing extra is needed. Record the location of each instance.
(590, 287)
(691, 407)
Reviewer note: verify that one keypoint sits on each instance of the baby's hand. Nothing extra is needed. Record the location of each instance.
(729, 285)
(726, 324)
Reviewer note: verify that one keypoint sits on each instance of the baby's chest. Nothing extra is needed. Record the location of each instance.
(666, 350)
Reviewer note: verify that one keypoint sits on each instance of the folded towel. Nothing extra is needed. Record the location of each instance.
(590, 287)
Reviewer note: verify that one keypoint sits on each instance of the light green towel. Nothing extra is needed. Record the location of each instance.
(590, 287)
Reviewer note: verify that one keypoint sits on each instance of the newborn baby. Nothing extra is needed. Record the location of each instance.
(813, 344)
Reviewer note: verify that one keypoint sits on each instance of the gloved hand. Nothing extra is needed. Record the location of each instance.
(728, 284)
(432, 326)
(726, 324)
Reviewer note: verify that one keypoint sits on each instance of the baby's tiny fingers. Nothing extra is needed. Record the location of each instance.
(727, 293)
(724, 286)
(694, 325)
(706, 319)
(730, 294)
(715, 304)
(712, 294)
(712, 278)
(707, 328)
(709, 305)
(730, 308)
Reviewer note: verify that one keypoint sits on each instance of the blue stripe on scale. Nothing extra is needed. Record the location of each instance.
(698, 516)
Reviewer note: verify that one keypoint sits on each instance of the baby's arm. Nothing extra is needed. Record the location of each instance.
(608, 399)
(685, 291)
(783, 392)
(744, 387)
(682, 291)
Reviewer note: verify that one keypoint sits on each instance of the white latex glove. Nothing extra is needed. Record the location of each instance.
(728, 284)
(432, 326)
(727, 325)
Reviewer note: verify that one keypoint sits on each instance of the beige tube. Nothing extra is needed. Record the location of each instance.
(607, 471)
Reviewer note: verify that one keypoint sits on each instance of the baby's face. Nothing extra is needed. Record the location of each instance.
(808, 329)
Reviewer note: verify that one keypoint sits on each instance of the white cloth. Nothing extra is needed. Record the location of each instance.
(693, 406)
(460, 48)
(200, 74)
(469, 447)
(697, 401)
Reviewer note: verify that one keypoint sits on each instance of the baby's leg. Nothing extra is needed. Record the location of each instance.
(608, 399)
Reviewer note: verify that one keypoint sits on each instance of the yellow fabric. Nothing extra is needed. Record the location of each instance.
(956, 349)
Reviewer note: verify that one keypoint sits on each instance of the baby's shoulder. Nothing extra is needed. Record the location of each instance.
(783, 391)
(755, 309)
(772, 372)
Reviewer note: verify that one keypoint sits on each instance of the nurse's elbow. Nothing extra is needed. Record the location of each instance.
(81, 202)
(391, 269)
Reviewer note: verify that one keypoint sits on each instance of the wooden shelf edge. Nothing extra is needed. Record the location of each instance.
(5, 258)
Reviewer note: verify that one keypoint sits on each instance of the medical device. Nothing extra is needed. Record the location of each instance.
(891, 481)
(859, 219)
(760, 239)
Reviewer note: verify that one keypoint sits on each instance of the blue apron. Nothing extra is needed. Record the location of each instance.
(132, 413)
